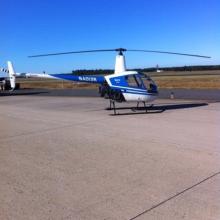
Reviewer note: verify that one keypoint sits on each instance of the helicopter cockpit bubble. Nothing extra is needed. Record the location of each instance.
(149, 84)
(134, 81)
(141, 81)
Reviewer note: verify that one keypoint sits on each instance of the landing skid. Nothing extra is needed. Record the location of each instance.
(112, 106)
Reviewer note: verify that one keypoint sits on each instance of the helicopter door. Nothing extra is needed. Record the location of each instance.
(134, 81)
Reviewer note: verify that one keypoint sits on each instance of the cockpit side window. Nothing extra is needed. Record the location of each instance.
(134, 81)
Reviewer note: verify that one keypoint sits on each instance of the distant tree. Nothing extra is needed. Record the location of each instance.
(93, 72)
(151, 69)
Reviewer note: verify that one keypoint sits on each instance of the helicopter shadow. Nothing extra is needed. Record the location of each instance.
(155, 109)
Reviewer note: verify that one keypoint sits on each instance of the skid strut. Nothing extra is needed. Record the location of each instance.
(145, 107)
(112, 106)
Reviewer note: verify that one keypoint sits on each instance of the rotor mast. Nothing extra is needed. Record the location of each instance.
(120, 65)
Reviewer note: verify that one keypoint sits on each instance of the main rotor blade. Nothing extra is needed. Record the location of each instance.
(120, 50)
(71, 52)
(167, 52)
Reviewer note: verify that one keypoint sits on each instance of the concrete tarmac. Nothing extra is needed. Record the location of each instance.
(69, 158)
(192, 94)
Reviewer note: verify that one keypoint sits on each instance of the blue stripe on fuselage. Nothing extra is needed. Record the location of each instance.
(135, 91)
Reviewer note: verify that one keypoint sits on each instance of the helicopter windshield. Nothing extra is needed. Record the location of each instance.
(141, 81)
(134, 81)
(148, 83)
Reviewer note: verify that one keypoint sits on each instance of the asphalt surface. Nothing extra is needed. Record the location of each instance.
(193, 94)
(69, 158)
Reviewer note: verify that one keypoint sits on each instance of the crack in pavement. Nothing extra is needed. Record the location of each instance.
(174, 196)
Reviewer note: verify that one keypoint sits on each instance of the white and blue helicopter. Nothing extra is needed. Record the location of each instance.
(122, 86)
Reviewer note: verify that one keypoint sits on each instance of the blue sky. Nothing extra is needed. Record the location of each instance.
(33, 27)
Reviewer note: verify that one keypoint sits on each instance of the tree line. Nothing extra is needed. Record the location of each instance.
(151, 69)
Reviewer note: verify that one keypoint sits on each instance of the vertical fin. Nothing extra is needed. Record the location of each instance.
(12, 75)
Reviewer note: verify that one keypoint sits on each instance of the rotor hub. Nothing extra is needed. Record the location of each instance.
(120, 50)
